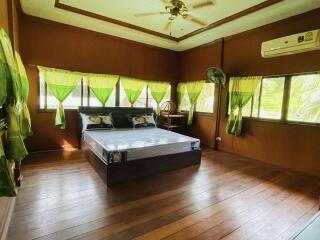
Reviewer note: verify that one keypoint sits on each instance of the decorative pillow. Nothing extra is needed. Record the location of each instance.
(139, 121)
(91, 122)
(107, 121)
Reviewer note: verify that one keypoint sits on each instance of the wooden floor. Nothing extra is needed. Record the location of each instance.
(225, 198)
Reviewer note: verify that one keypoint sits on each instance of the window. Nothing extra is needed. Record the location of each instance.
(289, 98)
(204, 102)
(48, 101)
(94, 102)
(304, 99)
(206, 99)
(141, 101)
(152, 103)
(185, 103)
(271, 98)
(83, 96)
(267, 100)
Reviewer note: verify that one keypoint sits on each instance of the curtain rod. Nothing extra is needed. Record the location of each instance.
(280, 75)
(271, 75)
(264, 76)
(34, 65)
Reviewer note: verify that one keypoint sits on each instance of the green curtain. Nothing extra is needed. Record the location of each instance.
(102, 85)
(60, 83)
(133, 88)
(194, 89)
(158, 91)
(25, 120)
(7, 187)
(181, 89)
(241, 90)
(4, 75)
(16, 150)
(6, 181)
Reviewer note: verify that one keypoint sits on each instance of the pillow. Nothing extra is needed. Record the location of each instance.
(140, 121)
(106, 121)
(90, 122)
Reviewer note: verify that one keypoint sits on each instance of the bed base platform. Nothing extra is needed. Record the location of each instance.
(115, 173)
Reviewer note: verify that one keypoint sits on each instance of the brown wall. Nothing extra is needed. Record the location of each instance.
(288, 146)
(4, 21)
(193, 66)
(15, 25)
(9, 21)
(61, 46)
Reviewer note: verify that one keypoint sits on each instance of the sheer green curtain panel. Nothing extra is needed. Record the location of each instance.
(158, 91)
(194, 89)
(25, 120)
(7, 188)
(133, 88)
(11, 95)
(6, 184)
(16, 150)
(241, 90)
(181, 88)
(4, 74)
(102, 85)
(60, 83)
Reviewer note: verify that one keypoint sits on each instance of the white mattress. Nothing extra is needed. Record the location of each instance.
(140, 143)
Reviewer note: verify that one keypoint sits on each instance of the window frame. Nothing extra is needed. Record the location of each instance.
(198, 113)
(117, 97)
(209, 114)
(285, 102)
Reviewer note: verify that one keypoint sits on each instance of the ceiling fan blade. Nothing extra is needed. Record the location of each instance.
(196, 21)
(202, 4)
(149, 14)
(168, 25)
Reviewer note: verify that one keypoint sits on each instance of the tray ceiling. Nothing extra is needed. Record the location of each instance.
(223, 18)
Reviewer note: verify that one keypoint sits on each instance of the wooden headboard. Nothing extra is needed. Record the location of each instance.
(119, 115)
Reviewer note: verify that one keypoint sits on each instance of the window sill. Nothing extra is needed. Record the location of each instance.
(204, 114)
(276, 121)
(199, 113)
(54, 110)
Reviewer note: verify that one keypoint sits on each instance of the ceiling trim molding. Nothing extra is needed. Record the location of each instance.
(233, 17)
(110, 20)
(230, 18)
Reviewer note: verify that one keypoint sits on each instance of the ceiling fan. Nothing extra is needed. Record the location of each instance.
(177, 8)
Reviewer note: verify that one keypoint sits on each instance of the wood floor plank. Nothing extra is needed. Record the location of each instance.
(225, 197)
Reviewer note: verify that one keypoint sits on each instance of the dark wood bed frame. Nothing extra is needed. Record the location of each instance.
(124, 172)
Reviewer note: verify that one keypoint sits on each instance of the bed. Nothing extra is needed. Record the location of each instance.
(125, 154)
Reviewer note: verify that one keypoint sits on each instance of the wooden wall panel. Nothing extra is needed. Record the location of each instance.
(242, 52)
(193, 66)
(288, 146)
(57, 45)
(195, 62)
(4, 20)
(15, 26)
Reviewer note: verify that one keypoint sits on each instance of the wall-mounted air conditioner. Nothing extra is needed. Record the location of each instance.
(297, 43)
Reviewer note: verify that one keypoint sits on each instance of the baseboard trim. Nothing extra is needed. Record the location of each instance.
(6, 216)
